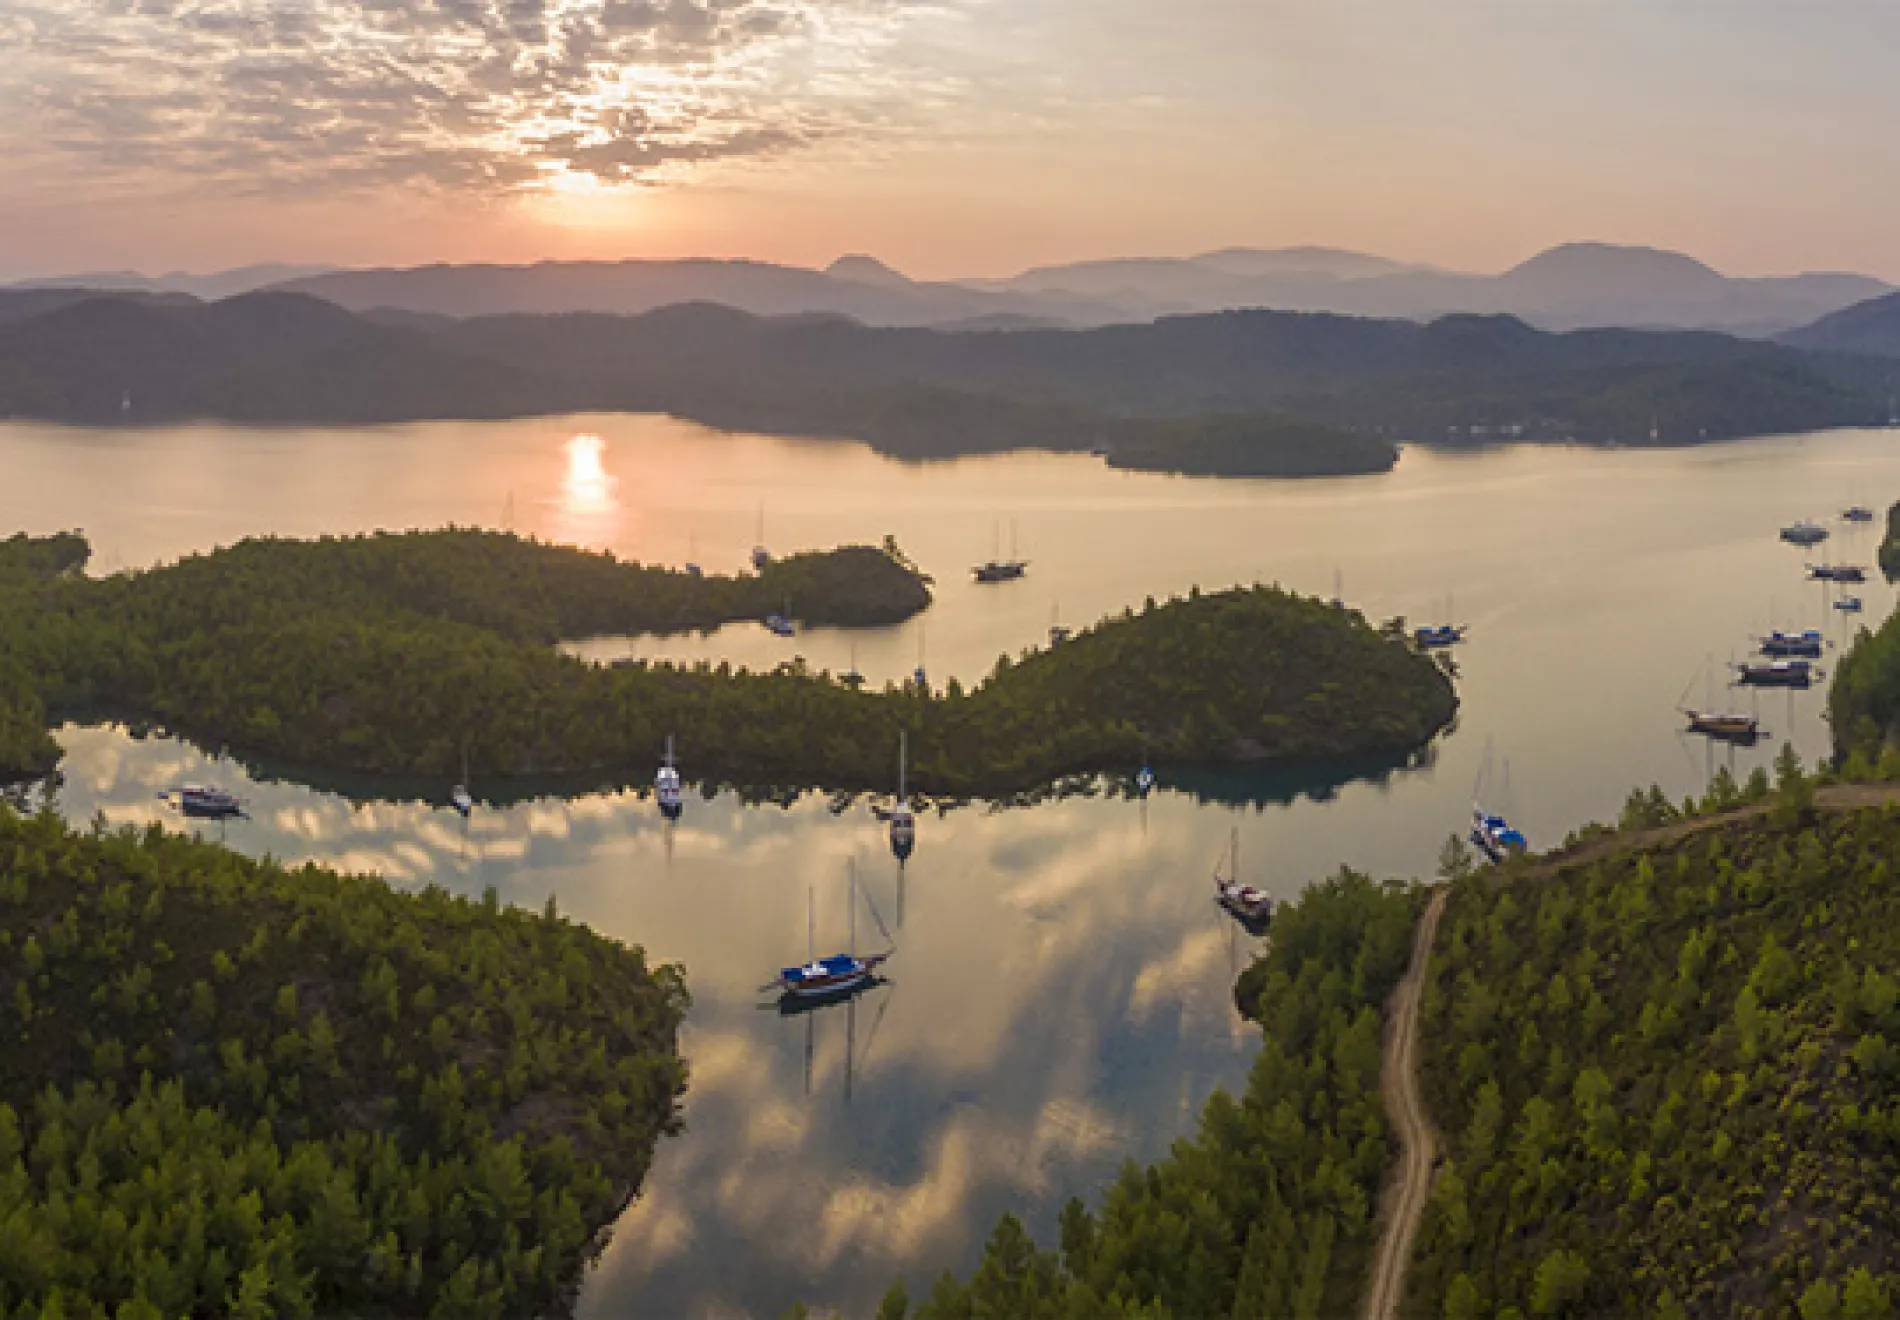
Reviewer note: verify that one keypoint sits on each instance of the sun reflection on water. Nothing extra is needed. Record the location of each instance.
(589, 506)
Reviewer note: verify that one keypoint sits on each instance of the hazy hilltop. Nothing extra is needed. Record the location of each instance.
(1867, 327)
(1573, 286)
(858, 286)
(217, 284)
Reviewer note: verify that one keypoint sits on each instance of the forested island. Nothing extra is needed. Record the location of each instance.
(228, 1088)
(1249, 445)
(414, 654)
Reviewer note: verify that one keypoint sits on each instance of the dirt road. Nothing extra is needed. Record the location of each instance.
(1412, 1177)
(1411, 1180)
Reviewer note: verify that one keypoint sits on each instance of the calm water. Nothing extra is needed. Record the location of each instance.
(1059, 1000)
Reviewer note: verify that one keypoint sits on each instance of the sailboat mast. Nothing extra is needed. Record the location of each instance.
(1234, 849)
(851, 871)
(903, 739)
(811, 923)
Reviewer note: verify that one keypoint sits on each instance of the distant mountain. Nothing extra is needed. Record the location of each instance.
(862, 269)
(1280, 384)
(1331, 263)
(1574, 286)
(1866, 327)
(218, 284)
(858, 287)
(17, 304)
(261, 357)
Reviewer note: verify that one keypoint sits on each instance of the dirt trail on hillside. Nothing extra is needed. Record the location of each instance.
(1412, 1178)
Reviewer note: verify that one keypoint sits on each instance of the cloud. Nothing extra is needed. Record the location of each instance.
(469, 96)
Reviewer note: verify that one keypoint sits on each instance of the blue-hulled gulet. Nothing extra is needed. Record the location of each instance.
(839, 975)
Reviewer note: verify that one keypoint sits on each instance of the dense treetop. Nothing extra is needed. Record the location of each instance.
(228, 1088)
(1669, 1072)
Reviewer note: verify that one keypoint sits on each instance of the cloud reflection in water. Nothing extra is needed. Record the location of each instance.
(1059, 1001)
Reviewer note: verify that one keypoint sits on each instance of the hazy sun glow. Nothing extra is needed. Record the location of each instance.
(588, 487)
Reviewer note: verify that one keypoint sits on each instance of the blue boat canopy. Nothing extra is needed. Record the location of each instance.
(839, 964)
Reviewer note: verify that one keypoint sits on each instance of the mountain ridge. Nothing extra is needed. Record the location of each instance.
(1569, 286)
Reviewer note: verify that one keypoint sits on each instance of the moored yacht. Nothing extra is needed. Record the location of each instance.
(1806, 643)
(1804, 532)
(1836, 573)
(1253, 908)
(667, 788)
(903, 822)
(1437, 636)
(208, 802)
(839, 975)
(1494, 836)
(1776, 673)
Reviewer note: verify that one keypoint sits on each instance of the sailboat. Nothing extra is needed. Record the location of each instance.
(459, 796)
(1804, 532)
(781, 625)
(920, 680)
(999, 569)
(1723, 726)
(208, 802)
(692, 556)
(1491, 834)
(1807, 643)
(1058, 633)
(1437, 636)
(1338, 601)
(1251, 907)
(1836, 573)
(667, 790)
(1857, 513)
(1848, 604)
(1144, 780)
(760, 555)
(903, 823)
(851, 678)
(842, 973)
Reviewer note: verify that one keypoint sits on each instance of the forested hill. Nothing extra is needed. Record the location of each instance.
(924, 393)
(410, 655)
(229, 1089)
(1668, 1072)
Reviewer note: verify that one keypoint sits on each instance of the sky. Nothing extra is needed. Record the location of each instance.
(948, 137)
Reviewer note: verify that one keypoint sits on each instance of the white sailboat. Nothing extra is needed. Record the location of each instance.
(459, 796)
(1252, 907)
(903, 823)
(667, 788)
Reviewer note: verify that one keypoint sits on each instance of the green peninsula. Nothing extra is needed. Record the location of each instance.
(403, 655)
(228, 1088)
